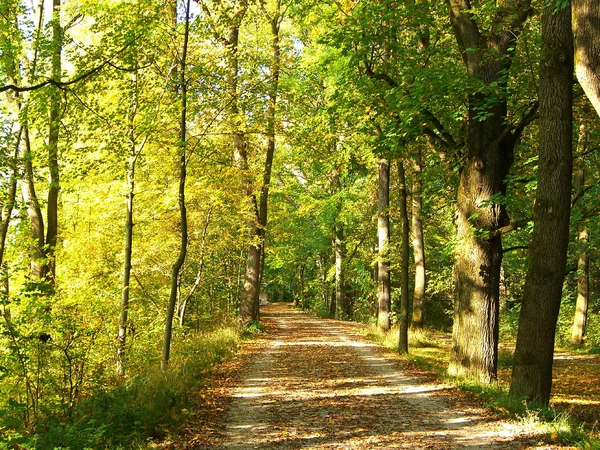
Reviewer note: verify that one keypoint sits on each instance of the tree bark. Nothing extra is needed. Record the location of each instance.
(275, 23)
(175, 269)
(583, 234)
(586, 23)
(250, 291)
(487, 160)
(340, 298)
(532, 370)
(34, 212)
(383, 235)
(53, 136)
(418, 244)
(403, 318)
(123, 318)
(583, 281)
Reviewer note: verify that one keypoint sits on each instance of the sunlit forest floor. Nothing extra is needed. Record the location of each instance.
(321, 384)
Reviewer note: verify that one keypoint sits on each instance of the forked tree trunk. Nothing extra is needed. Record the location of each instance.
(534, 352)
(418, 244)
(383, 235)
(404, 265)
(487, 160)
(182, 144)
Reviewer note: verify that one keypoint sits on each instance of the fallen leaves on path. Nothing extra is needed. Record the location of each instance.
(315, 383)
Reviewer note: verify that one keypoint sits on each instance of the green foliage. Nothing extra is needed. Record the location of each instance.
(148, 405)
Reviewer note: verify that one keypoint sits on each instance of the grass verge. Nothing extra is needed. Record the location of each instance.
(132, 413)
(430, 351)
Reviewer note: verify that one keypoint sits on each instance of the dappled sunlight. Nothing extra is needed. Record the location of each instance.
(314, 385)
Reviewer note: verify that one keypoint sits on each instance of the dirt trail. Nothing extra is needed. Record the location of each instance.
(315, 383)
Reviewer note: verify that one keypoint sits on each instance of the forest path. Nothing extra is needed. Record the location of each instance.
(317, 384)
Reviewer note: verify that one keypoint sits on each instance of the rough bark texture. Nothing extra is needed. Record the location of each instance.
(383, 236)
(487, 160)
(418, 244)
(586, 29)
(175, 269)
(532, 370)
(403, 317)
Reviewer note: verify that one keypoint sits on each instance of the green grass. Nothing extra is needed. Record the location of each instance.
(428, 352)
(145, 407)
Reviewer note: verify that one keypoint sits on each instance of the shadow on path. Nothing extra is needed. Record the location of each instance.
(314, 383)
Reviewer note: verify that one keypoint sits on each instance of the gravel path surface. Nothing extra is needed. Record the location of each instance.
(317, 384)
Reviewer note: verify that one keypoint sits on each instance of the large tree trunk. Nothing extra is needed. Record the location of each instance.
(586, 26)
(383, 235)
(403, 318)
(487, 160)
(418, 244)
(532, 370)
(175, 269)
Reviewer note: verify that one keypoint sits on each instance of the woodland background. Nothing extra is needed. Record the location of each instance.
(162, 163)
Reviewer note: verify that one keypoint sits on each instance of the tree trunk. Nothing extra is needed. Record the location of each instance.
(275, 22)
(340, 300)
(532, 370)
(383, 234)
(185, 302)
(53, 135)
(586, 23)
(403, 318)
(487, 160)
(181, 195)
(249, 297)
(418, 244)
(9, 205)
(583, 269)
(34, 212)
(583, 281)
(123, 318)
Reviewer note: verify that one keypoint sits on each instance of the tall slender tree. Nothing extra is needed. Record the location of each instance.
(182, 166)
(383, 234)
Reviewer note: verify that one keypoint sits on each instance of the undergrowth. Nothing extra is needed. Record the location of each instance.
(130, 413)
(429, 353)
